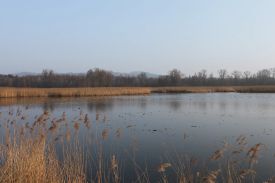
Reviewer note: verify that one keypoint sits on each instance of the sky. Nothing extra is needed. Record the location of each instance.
(136, 35)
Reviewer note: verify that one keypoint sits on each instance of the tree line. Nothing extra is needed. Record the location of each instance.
(102, 78)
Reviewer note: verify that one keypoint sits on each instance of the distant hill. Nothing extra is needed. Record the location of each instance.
(20, 74)
(136, 73)
(148, 74)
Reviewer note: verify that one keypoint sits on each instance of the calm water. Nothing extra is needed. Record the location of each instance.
(159, 128)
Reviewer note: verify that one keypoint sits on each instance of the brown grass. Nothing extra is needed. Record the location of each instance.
(212, 89)
(29, 159)
(188, 89)
(71, 92)
(6, 92)
(255, 89)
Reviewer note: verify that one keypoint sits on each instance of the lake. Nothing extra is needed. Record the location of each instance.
(145, 131)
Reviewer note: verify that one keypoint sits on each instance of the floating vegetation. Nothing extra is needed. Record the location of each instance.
(253, 154)
(97, 116)
(163, 166)
(118, 132)
(87, 121)
(76, 125)
(130, 126)
(105, 134)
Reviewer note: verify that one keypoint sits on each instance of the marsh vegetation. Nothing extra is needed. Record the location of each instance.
(116, 91)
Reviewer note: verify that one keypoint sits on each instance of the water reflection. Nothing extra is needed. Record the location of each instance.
(175, 105)
(100, 105)
(48, 106)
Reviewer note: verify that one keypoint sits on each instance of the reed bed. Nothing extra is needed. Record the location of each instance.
(71, 92)
(192, 89)
(255, 89)
(25, 161)
(213, 89)
(6, 92)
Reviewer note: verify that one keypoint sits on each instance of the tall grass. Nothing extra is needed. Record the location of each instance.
(71, 92)
(192, 89)
(6, 92)
(255, 89)
(25, 160)
(29, 158)
(206, 89)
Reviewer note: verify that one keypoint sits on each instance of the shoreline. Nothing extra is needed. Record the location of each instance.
(12, 92)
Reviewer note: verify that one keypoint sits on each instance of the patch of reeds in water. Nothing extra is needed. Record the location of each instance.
(6, 92)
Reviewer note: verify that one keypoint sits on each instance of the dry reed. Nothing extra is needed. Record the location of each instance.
(213, 89)
(6, 92)
(11, 92)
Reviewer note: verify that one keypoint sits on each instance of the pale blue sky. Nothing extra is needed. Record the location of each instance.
(130, 35)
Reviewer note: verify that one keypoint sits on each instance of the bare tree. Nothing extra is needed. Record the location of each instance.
(47, 73)
(89, 77)
(142, 78)
(222, 73)
(202, 74)
(236, 74)
(273, 72)
(247, 74)
(99, 77)
(175, 76)
(211, 76)
(48, 78)
(264, 74)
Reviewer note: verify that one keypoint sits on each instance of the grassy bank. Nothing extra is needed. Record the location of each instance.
(71, 92)
(255, 89)
(238, 89)
(188, 89)
(6, 92)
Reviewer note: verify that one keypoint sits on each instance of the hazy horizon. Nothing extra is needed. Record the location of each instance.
(151, 36)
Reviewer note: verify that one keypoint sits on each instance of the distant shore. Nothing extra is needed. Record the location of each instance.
(10, 92)
(215, 89)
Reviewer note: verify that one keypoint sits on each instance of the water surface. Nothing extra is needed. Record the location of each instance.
(152, 129)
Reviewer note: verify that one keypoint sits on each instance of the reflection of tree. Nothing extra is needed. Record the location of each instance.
(236, 104)
(142, 103)
(222, 105)
(48, 106)
(202, 105)
(100, 105)
(175, 104)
